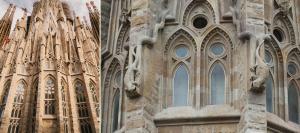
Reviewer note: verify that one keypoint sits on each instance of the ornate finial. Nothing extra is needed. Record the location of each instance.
(88, 6)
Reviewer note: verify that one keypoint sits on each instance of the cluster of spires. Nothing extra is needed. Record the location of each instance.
(94, 15)
(7, 19)
(5, 24)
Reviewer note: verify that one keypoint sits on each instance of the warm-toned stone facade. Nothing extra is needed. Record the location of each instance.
(200, 66)
(49, 71)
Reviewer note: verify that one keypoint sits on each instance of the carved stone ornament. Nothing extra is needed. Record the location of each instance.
(134, 75)
(284, 5)
(260, 70)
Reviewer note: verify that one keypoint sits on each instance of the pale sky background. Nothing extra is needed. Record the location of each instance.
(77, 5)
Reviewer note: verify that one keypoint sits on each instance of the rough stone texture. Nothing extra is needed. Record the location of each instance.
(152, 110)
(47, 57)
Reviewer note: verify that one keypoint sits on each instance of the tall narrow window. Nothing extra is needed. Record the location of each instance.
(34, 105)
(180, 86)
(217, 84)
(4, 98)
(65, 105)
(82, 108)
(269, 91)
(50, 97)
(115, 115)
(14, 125)
(95, 97)
(293, 102)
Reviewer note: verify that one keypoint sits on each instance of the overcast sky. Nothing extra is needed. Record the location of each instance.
(77, 5)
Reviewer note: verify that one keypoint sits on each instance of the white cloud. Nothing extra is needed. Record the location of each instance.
(77, 5)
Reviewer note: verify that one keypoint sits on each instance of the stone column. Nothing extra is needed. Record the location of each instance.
(139, 106)
(251, 22)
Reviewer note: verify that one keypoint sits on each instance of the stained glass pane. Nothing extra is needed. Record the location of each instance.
(268, 57)
(269, 91)
(217, 48)
(217, 84)
(181, 85)
(293, 102)
(292, 68)
(181, 51)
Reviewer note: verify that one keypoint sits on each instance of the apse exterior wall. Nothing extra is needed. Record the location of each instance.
(147, 105)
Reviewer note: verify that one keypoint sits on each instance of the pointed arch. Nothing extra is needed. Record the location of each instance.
(110, 88)
(65, 104)
(186, 37)
(17, 110)
(82, 106)
(201, 4)
(93, 90)
(216, 31)
(217, 83)
(50, 98)
(180, 85)
(280, 20)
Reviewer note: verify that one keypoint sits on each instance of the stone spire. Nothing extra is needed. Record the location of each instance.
(95, 19)
(5, 24)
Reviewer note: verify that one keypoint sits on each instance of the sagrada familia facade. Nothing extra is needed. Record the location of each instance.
(49, 66)
(200, 66)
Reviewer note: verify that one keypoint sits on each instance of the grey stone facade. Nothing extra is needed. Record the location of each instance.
(237, 61)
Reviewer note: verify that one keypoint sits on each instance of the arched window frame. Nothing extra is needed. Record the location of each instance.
(18, 106)
(212, 67)
(82, 107)
(224, 59)
(293, 78)
(214, 35)
(171, 62)
(50, 96)
(274, 67)
(116, 88)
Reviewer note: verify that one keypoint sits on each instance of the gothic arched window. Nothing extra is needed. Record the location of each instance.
(180, 70)
(180, 86)
(293, 87)
(82, 107)
(215, 68)
(4, 97)
(14, 125)
(217, 84)
(95, 97)
(34, 100)
(293, 102)
(217, 56)
(50, 97)
(65, 100)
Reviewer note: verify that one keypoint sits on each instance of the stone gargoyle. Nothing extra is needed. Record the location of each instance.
(260, 70)
(134, 75)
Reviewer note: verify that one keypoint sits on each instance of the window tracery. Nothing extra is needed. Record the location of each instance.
(82, 107)
(95, 97)
(180, 53)
(216, 53)
(50, 97)
(4, 98)
(14, 125)
(65, 102)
